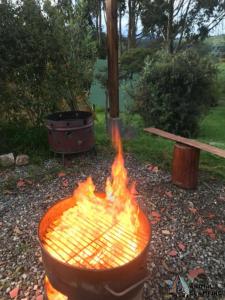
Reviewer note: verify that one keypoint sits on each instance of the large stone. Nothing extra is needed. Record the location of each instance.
(22, 160)
(7, 160)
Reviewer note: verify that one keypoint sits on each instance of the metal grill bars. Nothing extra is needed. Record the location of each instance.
(103, 246)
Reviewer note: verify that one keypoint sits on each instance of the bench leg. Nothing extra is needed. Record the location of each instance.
(185, 166)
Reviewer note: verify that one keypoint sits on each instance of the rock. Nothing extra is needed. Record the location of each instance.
(172, 253)
(7, 160)
(13, 293)
(22, 160)
(166, 232)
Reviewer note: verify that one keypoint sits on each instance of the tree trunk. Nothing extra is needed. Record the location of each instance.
(97, 24)
(100, 23)
(183, 27)
(170, 41)
(129, 24)
(120, 31)
(113, 70)
(132, 28)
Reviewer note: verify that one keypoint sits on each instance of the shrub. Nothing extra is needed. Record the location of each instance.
(47, 57)
(132, 62)
(175, 91)
(23, 34)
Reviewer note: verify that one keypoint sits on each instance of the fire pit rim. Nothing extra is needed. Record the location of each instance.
(86, 269)
(68, 116)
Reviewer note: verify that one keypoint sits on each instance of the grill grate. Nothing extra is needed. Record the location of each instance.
(103, 246)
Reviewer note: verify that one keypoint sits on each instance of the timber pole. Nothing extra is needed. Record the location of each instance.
(113, 69)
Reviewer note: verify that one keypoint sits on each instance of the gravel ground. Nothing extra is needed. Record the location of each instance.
(188, 227)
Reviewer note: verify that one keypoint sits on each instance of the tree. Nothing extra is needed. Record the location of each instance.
(47, 54)
(76, 50)
(133, 14)
(24, 34)
(94, 7)
(180, 20)
(122, 11)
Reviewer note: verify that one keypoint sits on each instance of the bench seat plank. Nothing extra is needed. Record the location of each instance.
(186, 141)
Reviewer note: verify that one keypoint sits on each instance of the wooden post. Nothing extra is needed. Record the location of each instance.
(113, 70)
(185, 166)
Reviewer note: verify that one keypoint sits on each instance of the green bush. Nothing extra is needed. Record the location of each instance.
(175, 91)
(20, 138)
(47, 59)
(132, 62)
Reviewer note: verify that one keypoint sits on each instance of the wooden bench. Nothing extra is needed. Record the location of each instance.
(186, 157)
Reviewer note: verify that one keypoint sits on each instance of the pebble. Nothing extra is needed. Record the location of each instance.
(20, 255)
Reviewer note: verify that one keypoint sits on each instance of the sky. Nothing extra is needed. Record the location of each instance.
(218, 30)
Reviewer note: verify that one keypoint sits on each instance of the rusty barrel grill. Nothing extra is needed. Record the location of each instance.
(120, 279)
(70, 132)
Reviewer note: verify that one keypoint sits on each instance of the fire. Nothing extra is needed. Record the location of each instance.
(52, 293)
(100, 231)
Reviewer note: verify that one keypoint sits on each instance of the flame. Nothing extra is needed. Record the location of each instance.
(100, 231)
(53, 294)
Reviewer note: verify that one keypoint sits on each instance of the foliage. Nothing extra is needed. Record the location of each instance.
(76, 51)
(47, 54)
(221, 80)
(23, 36)
(132, 62)
(175, 91)
(181, 20)
(20, 138)
(214, 46)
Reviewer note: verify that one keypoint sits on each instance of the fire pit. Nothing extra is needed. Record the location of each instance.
(94, 246)
(70, 132)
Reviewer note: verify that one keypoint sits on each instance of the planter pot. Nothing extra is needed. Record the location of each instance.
(70, 132)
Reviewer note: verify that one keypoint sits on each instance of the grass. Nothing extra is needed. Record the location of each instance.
(216, 40)
(212, 131)
(145, 147)
(159, 151)
(18, 138)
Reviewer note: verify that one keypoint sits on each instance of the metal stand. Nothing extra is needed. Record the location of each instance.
(114, 123)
